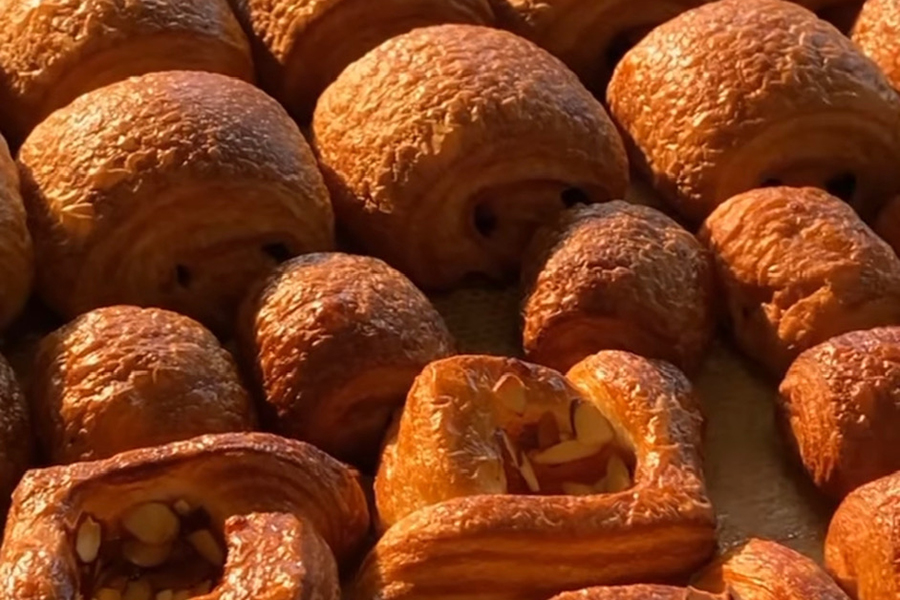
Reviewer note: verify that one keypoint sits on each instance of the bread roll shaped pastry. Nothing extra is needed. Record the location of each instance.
(175, 189)
(875, 32)
(597, 474)
(798, 266)
(123, 377)
(16, 253)
(740, 94)
(864, 539)
(238, 515)
(617, 276)
(16, 439)
(445, 148)
(301, 46)
(52, 51)
(335, 341)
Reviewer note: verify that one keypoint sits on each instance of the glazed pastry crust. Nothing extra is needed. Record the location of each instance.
(171, 189)
(123, 377)
(765, 92)
(336, 341)
(438, 124)
(15, 434)
(239, 479)
(875, 32)
(797, 267)
(617, 276)
(301, 46)
(862, 549)
(662, 526)
(51, 52)
(16, 254)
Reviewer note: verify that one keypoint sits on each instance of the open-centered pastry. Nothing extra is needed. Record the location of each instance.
(739, 94)
(229, 515)
(174, 189)
(617, 276)
(16, 256)
(123, 377)
(876, 32)
(445, 148)
(864, 541)
(798, 266)
(335, 341)
(597, 474)
(53, 51)
(15, 434)
(301, 46)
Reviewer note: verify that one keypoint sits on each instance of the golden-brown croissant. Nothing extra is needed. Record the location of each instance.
(123, 377)
(446, 147)
(617, 276)
(15, 434)
(504, 479)
(16, 257)
(301, 46)
(52, 51)
(174, 189)
(639, 592)
(335, 342)
(876, 32)
(229, 515)
(864, 540)
(739, 94)
(798, 266)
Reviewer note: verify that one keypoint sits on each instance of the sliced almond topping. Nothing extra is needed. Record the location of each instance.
(564, 452)
(509, 447)
(152, 523)
(547, 431)
(138, 590)
(617, 476)
(182, 507)
(87, 540)
(108, 594)
(183, 595)
(577, 489)
(591, 427)
(528, 475)
(510, 390)
(207, 546)
(146, 555)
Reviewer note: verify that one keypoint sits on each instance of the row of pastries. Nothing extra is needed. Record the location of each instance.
(234, 211)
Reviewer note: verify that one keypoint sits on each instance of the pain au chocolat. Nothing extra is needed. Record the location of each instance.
(123, 377)
(446, 147)
(301, 46)
(876, 33)
(16, 444)
(798, 266)
(335, 342)
(52, 51)
(738, 94)
(16, 253)
(617, 276)
(597, 473)
(175, 189)
(220, 516)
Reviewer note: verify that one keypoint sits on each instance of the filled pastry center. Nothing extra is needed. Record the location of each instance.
(156, 551)
(570, 449)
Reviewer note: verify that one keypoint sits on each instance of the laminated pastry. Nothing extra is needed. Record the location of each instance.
(52, 51)
(739, 94)
(335, 342)
(876, 32)
(617, 276)
(16, 254)
(640, 592)
(124, 377)
(221, 516)
(16, 446)
(174, 189)
(597, 474)
(863, 541)
(798, 266)
(591, 36)
(301, 46)
(445, 148)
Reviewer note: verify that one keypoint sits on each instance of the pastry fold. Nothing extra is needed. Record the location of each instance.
(301, 46)
(16, 252)
(492, 456)
(288, 514)
(740, 94)
(445, 148)
(175, 189)
(876, 31)
(617, 276)
(335, 341)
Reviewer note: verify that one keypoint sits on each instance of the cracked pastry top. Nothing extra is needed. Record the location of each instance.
(445, 148)
(16, 252)
(876, 32)
(174, 189)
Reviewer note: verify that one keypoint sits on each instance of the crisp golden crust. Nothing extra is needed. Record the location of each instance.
(335, 341)
(301, 46)
(173, 189)
(15, 434)
(16, 254)
(236, 478)
(52, 51)
(617, 276)
(662, 526)
(445, 148)
(862, 550)
(764, 570)
(876, 32)
(123, 377)
(740, 93)
(797, 267)
(638, 592)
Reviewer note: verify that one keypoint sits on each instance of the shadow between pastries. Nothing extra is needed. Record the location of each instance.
(16, 252)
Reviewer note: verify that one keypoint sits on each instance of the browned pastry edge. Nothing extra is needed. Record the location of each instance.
(875, 32)
(640, 592)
